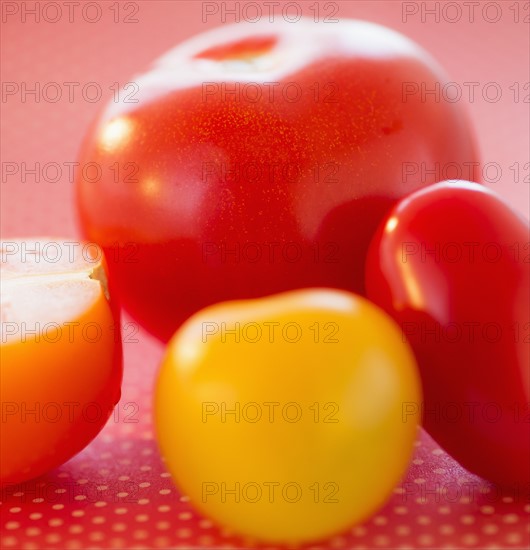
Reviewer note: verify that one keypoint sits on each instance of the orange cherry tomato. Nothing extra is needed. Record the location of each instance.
(61, 361)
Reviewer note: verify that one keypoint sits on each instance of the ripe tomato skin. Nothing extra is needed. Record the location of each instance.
(238, 195)
(480, 372)
(343, 386)
(58, 387)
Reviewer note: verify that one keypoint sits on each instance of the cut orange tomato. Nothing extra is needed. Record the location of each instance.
(61, 358)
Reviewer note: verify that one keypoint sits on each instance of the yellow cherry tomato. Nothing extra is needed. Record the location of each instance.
(283, 417)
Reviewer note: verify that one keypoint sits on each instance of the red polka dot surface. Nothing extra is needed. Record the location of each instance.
(117, 493)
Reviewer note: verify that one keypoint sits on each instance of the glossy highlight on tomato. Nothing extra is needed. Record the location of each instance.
(451, 265)
(254, 159)
(282, 417)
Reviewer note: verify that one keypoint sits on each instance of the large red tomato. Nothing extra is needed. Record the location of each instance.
(451, 265)
(255, 159)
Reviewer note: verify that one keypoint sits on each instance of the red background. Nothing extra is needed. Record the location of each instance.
(117, 493)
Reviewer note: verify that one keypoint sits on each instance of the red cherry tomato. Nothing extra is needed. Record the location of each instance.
(256, 159)
(451, 265)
